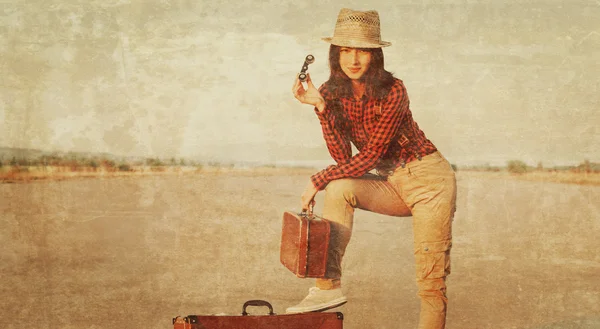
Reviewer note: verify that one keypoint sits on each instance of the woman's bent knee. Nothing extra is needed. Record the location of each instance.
(342, 189)
(340, 186)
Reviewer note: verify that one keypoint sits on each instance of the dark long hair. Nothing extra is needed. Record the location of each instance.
(378, 81)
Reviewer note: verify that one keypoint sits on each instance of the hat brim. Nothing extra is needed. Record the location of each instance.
(356, 43)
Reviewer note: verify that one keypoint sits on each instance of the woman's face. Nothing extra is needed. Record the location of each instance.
(354, 62)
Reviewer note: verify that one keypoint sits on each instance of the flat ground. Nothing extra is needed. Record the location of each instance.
(134, 251)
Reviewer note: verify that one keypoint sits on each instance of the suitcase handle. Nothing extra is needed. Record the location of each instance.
(308, 212)
(257, 303)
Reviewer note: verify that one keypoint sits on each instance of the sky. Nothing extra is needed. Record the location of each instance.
(488, 81)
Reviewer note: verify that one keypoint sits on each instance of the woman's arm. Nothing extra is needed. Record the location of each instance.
(332, 123)
(334, 129)
(394, 110)
(333, 126)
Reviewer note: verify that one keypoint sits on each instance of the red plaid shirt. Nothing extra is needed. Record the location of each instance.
(382, 130)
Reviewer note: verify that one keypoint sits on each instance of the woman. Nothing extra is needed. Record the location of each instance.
(363, 104)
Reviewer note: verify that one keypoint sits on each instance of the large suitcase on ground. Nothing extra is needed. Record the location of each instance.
(324, 320)
(304, 244)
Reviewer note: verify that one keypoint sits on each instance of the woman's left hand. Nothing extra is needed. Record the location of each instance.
(308, 196)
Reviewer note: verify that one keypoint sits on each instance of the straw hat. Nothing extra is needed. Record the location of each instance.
(357, 29)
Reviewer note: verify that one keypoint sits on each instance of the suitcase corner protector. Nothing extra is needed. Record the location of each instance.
(340, 315)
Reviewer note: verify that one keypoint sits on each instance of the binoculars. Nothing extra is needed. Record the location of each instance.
(308, 60)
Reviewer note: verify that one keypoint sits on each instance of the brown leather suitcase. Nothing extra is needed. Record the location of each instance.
(324, 320)
(304, 244)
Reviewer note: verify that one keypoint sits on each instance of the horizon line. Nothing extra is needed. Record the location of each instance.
(316, 163)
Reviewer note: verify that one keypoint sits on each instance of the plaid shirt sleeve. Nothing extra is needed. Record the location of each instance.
(394, 109)
(337, 142)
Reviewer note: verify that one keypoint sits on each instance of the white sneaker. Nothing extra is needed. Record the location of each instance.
(319, 300)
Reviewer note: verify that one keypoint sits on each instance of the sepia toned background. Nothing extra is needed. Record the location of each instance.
(489, 81)
(210, 81)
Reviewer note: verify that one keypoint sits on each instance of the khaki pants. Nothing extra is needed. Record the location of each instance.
(425, 190)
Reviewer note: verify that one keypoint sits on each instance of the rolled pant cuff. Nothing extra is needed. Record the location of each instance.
(328, 284)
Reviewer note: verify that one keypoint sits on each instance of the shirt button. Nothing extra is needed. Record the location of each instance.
(426, 249)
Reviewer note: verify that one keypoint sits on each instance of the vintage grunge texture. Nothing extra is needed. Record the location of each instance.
(489, 81)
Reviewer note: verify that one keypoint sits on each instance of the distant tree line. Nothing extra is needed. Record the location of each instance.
(77, 162)
(520, 167)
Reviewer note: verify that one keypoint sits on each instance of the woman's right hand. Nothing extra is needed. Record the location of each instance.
(310, 96)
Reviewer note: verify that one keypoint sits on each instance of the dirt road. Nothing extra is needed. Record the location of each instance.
(135, 251)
